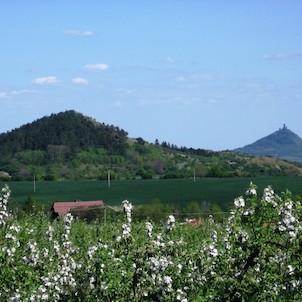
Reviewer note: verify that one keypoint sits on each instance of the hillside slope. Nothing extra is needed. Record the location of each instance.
(283, 144)
(70, 129)
(69, 145)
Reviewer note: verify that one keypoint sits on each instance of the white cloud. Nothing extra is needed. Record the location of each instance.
(96, 67)
(15, 93)
(117, 104)
(181, 79)
(202, 77)
(169, 60)
(282, 56)
(126, 91)
(73, 32)
(45, 80)
(80, 81)
(3, 94)
(23, 91)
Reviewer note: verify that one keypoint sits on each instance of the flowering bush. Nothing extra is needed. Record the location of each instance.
(254, 256)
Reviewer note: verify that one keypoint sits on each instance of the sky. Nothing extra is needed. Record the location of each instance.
(209, 74)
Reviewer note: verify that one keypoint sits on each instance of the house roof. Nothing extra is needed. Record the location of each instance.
(63, 207)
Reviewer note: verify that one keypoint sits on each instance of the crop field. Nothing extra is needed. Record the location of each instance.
(221, 191)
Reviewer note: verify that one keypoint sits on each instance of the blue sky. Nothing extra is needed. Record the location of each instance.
(212, 74)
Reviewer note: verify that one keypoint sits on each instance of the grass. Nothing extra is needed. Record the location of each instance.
(176, 191)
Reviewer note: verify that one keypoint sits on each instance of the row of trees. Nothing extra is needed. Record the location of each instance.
(155, 211)
(139, 161)
(69, 145)
(192, 151)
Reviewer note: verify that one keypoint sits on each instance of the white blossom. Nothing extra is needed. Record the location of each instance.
(4, 197)
(126, 230)
(170, 223)
(149, 229)
(269, 196)
(181, 296)
(91, 251)
(252, 190)
(128, 209)
(291, 269)
(213, 250)
(239, 202)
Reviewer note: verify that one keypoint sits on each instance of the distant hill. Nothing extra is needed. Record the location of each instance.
(69, 145)
(283, 144)
(70, 129)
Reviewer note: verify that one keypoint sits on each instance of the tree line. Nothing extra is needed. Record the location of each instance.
(69, 145)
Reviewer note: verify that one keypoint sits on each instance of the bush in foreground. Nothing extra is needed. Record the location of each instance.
(254, 256)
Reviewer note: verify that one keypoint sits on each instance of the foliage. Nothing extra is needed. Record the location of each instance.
(60, 134)
(89, 214)
(69, 145)
(155, 211)
(254, 256)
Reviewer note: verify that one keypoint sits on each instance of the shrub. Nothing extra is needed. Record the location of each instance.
(254, 256)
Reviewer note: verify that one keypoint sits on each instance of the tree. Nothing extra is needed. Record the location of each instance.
(140, 141)
(192, 210)
(155, 211)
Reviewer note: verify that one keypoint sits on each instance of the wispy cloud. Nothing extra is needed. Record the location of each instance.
(181, 78)
(96, 67)
(202, 77)
(50, 80)
(22, 91)
(117, 104)
(282, 56)
(15, 93)
(126, 91)
(169, 60)
(75, 32)
(80, 81)
(3, 94)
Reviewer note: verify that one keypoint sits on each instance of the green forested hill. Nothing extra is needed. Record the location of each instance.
(69, 129)
(69, 145)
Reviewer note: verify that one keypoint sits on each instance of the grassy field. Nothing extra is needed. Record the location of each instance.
(176, 191)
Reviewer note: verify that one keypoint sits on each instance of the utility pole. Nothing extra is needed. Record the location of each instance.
(34, 183)
(108, 178)
(105, 216)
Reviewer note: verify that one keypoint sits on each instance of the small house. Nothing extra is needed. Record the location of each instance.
(61, 208)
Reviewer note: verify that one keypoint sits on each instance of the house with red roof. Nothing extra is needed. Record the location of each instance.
(61, 208)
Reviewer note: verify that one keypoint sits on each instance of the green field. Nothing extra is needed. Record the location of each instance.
(176, 191)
